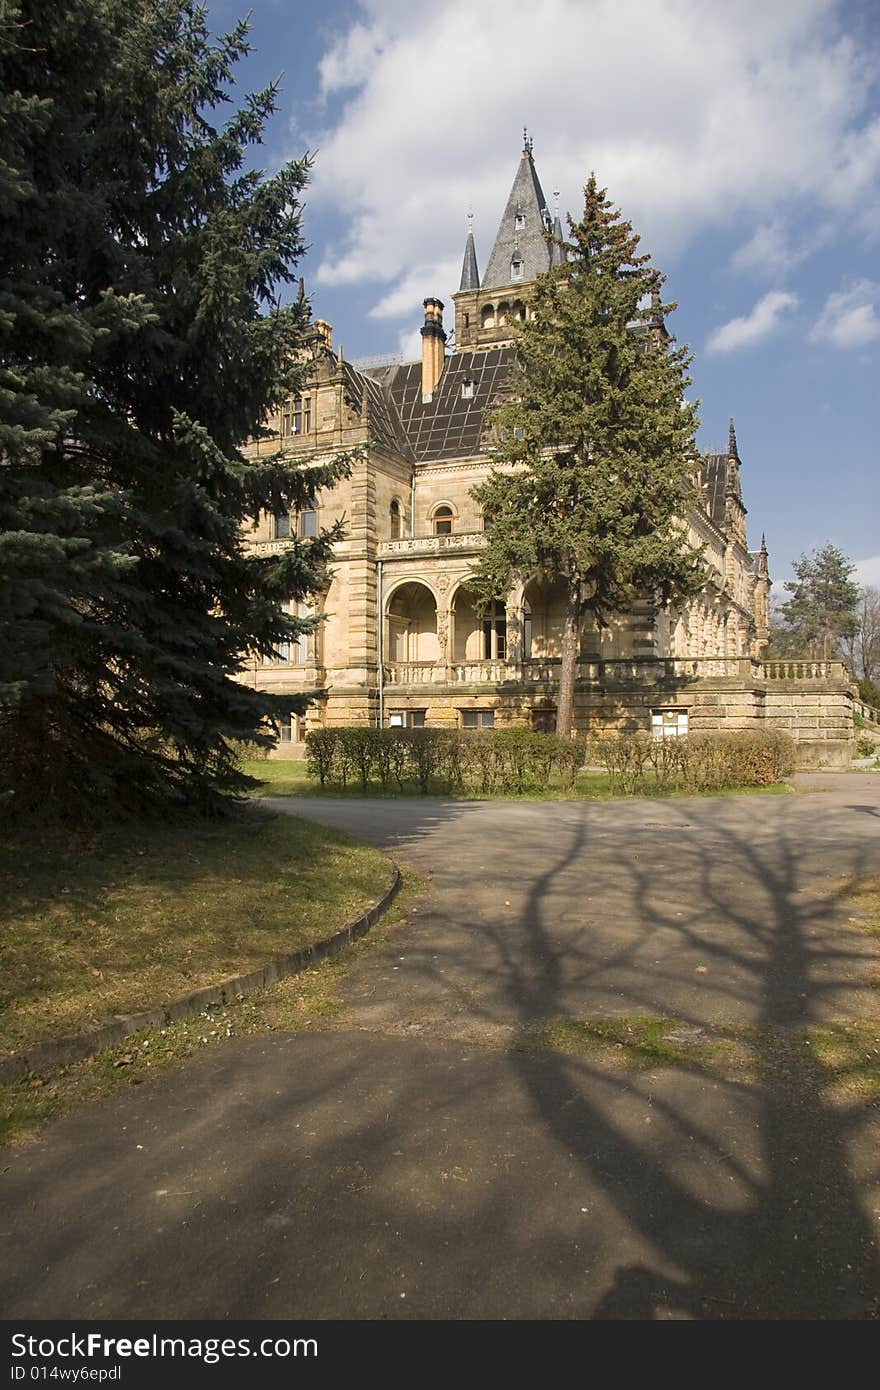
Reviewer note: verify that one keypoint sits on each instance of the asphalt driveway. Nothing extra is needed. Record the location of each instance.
(409, 1160)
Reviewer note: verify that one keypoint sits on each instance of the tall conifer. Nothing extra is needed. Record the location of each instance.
(142, 342)
(594, 461)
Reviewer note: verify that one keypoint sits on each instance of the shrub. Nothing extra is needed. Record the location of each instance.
(320, 753)
(870, 692)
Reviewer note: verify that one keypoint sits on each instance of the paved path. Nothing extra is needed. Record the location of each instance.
(407, 1161)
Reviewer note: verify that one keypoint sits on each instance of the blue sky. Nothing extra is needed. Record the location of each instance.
(742, 140)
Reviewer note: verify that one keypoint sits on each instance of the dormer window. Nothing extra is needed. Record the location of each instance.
(519, 221)
(467, 389)
(516, 269)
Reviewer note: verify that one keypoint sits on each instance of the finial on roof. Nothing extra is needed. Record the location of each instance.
(470, 275)
(556, 202)
(731, 441)
(763, 544)
(527, 143)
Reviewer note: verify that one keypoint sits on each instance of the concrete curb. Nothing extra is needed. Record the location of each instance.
(59, 1052)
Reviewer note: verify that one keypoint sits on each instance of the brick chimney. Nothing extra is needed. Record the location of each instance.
(433, 345)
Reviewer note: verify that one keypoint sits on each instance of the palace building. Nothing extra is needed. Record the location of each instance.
(401, 642)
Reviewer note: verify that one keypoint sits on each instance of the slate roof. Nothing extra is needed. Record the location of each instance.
(557, 252)
(470, 276)
(383, 421)
(450, 425)
(714, 476)
(527, 199)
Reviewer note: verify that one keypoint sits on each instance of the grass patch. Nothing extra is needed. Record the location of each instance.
(291, 1005)
(864, 898)
(837, 1060)
(130, 917)
(849, 1052)
(641, 1040)
(279, 777)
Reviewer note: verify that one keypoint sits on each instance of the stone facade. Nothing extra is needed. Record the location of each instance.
(400, 641)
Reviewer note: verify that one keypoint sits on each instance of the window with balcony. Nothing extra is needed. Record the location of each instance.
(443, 519)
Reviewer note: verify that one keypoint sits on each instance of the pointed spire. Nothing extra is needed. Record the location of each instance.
(557, 250)
(731, 441)
(470, 275)
(522, 230)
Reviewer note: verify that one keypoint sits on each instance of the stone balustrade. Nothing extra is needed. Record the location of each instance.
(803, 670)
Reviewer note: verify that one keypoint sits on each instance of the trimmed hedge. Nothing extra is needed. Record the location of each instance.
(516, 761)
(503, 760)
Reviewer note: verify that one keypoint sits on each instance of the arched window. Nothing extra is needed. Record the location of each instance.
(503, 311)
(443, 521)
(395, 520)
(527, 630)
(487, 316)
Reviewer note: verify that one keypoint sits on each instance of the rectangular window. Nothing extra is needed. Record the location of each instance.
(302, 415)
(285, 421)
(308, 519)
(544, 721)
(282, 526)
(478, 719)
(669, 723)
(292, 730)
(299, 648)
(406, 718)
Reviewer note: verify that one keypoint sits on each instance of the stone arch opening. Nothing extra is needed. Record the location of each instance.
(478, 636)
(411, 616)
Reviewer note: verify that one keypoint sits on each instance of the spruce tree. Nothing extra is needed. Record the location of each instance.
(142, 342)
(822, 611)
(594, 462)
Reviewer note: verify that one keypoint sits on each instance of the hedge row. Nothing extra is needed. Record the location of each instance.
(699, 762)
(518, 761)
(506, 760)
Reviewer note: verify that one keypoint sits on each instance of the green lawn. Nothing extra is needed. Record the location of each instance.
(290, 778)
(128, 918)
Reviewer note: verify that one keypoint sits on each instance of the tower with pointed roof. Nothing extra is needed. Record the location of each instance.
(524, 248)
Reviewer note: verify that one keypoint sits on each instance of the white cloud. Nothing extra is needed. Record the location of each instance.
(751, 328)
(867, 572)
(696, 114)
(849, 318)
(772, 253)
